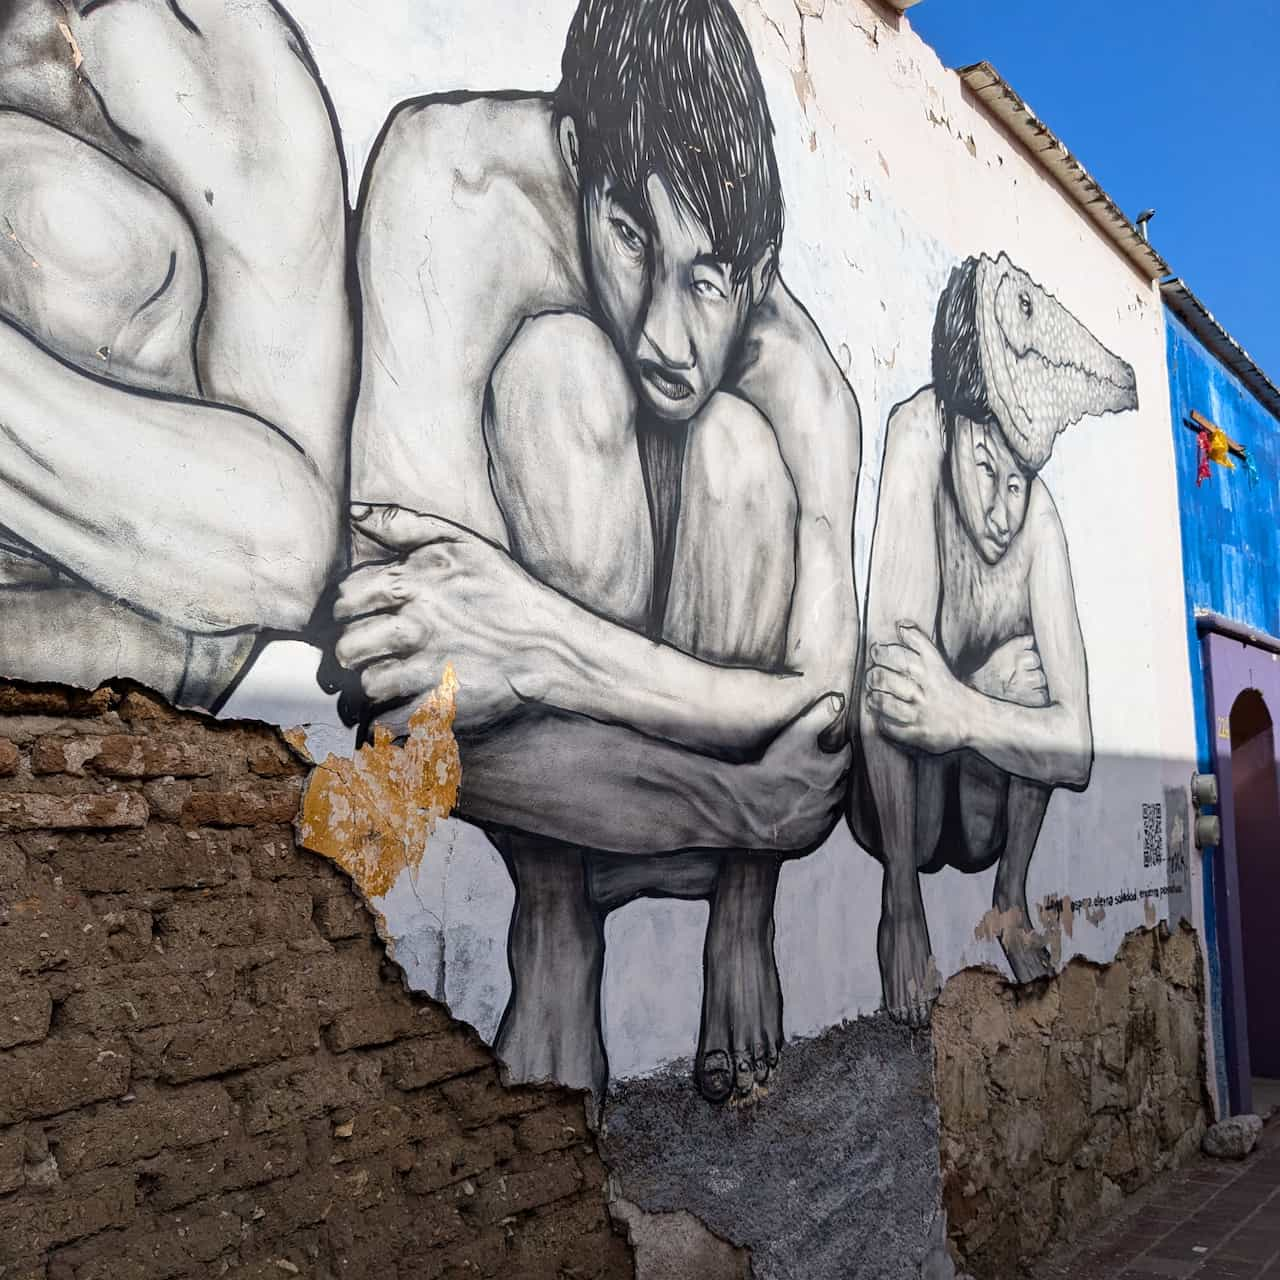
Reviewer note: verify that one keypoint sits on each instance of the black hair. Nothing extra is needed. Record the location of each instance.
(958, 381)
(672, 87)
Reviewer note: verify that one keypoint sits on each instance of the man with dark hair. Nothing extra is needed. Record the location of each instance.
(641, 463)
(975, 701)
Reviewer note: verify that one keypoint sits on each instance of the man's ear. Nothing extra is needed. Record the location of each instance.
(762, 274)
(569, 144)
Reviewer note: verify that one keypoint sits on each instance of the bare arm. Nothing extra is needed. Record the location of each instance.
(205, 517)
(143, 496)
(632, 794)
(1051, 744)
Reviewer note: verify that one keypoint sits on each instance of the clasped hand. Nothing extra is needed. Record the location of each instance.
(443, 595)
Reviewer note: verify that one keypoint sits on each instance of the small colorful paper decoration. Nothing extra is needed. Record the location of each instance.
(1214, 445)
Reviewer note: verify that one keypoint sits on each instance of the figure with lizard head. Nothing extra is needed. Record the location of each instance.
(973, 700)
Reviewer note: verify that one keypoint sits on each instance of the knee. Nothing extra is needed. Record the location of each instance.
(733, 460)
(559, 383)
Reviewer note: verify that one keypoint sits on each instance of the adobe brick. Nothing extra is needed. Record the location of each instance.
(156, 1248)
(479, 1098)
(63, 753)
(81, 1207)
(342, 915)
(443, 1161)
(148, 995)
(13, 1146)
(272, 1097)
(194, 1051)
(373, 1130)
(24, 1016)
(125, 756)
(329, 981)
(122, 1132)
(10, 758)
(33, 811)
(177, 1178)
(61, 1073)
(378, 1022)
(234, 919)
(246, 807)
(273, 760)
(551, 1129)
(427, 1060)
(157, 857)
(49, 700)
(167, 797)
(509, 1193)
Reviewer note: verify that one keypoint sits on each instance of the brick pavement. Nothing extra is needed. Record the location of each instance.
(1214, 1220)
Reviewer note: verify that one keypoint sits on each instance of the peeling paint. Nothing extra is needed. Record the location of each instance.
(373, 814)
(77, 58)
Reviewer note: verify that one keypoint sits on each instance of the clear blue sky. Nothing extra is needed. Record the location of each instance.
(1170, 104)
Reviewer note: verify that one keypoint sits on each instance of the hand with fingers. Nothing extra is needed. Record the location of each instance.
(1014, 673)
(792, 796)
(436, 594)
(916, 700)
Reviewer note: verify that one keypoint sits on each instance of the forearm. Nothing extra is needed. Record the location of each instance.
(201, 516)
(597, 785)
(604, 671)
(1048, 744)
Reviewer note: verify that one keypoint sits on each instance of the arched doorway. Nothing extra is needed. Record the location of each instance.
(1255, 793)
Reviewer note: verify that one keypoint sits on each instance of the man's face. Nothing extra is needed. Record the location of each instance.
(990, 486)
(670, 306)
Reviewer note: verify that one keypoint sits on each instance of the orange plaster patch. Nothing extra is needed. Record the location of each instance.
(374, 813)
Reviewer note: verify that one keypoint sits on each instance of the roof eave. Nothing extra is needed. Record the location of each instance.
(1054, 157)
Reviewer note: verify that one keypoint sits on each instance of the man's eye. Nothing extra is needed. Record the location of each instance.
(708, 289)
(629, 236)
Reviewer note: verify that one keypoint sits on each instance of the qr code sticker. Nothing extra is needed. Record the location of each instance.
(1152, 835)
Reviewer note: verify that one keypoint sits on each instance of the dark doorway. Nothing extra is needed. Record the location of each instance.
(1255, 797)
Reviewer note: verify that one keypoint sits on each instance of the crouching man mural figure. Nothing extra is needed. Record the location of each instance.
(640, 462)
(973, 692)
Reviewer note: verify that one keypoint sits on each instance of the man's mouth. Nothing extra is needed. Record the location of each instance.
(670, 385)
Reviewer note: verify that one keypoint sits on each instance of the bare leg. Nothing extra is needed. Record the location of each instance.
(560, 428)
(551, 1027)
(896, 812)
(732, 580)
(1027, 954)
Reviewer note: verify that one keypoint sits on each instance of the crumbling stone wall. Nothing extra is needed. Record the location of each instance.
(207, 1064)
(1058, 1099)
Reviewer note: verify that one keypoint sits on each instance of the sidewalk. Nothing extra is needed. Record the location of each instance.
(1214, 1220)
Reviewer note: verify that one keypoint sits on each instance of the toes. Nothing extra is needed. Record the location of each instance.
(744, 1075)
(716, 1076)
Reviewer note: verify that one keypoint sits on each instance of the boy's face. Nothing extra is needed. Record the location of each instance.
(990, 484)
(670, 306)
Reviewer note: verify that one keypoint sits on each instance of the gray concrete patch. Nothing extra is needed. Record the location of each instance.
(834, 1174)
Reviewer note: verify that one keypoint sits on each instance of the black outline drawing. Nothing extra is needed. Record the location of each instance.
(973, 700)
(655, 394)
(184, 506)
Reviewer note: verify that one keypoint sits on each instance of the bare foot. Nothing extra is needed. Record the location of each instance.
(741, 1031)
(551, 1027)
(1025, 949)
(907, 971)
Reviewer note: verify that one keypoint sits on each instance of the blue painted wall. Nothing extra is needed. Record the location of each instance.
(1230, 542)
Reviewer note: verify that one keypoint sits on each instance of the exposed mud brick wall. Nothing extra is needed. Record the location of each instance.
(207, 1065)
(1057, 1100)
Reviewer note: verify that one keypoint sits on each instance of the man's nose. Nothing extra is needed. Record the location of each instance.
(666, 335)
(998, 516)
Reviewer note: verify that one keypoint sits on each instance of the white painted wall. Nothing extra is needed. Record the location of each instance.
(891, 177)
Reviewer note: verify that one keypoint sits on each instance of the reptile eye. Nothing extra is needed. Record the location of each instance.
(1024, 304)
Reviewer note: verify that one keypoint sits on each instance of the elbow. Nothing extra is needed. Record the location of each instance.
(1077, 768)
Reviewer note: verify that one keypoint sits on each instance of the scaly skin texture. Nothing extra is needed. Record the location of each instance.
(1044, 370)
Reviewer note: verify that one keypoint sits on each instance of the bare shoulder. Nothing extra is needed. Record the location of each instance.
(913, 436)
(463, 154)
(1043, 522)
(784, 349)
